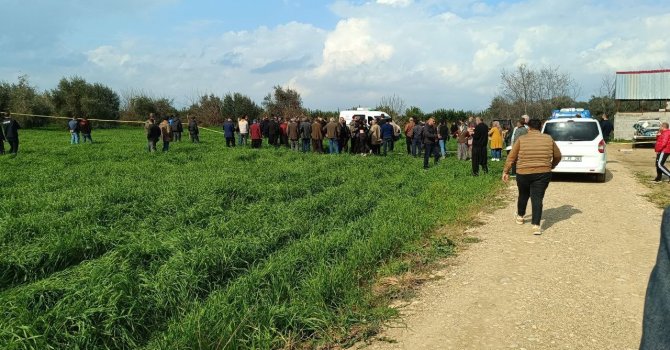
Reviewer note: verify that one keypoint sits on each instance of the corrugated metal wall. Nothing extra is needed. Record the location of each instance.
(623, 122)
(650, 85)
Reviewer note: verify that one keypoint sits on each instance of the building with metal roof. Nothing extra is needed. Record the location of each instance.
(643, 85)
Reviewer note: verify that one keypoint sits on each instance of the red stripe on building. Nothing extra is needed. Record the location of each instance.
(646, 71)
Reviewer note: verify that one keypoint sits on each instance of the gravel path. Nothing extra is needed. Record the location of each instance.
(581, 285)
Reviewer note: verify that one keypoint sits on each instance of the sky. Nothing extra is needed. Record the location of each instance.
(336, 53)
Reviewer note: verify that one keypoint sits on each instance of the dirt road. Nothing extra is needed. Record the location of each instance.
(581, 285)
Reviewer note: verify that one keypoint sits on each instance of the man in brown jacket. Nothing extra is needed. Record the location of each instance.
(332, 133)
(409, 133)
(293, 135)
(317, 136)
(535, 155)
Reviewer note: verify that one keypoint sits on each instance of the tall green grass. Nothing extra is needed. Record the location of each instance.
(106, 246)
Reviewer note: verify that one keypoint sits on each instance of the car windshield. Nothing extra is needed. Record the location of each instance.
(572, 131)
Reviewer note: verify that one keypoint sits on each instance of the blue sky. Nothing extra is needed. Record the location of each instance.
(337, 53)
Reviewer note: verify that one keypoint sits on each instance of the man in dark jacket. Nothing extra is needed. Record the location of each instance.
(417, 136)
(306, 134)
(430, 142)
(656, 322)
(480, 140)
(344, 136)
(2, 135)
(273, 132)
(178, 128)
(153, 133)
(193, 129)
(607, 127)
(229, 132)
(265, 127)
(11, 130)
(387, 135)
(85, 128)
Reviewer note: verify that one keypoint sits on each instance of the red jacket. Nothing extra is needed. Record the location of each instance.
(256, 132)
(283, 128)
(663, 142)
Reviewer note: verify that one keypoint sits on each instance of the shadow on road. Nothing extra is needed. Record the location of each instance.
(567, 177)
(556, 215)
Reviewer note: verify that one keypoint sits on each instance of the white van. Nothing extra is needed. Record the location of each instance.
(582, 146)
(362, 112)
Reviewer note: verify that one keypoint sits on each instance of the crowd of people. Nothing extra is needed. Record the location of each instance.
(372, 136)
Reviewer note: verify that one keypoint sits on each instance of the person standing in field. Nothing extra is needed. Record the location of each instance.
(283, 132)
(375, 137)
(274, 132)
(166, 133)
(177, 128)
(243, 126)
(463, 136)
(85, 128)
(387, 132)
(397, 132)
(535, 155)
(430, 141)
(416, 139)
(256, 135)
(73, 126)
(409, 133)
(480, 140)
(496, 142)
(353, 131)
(662, 148)
(11, 129)
(150, 130)
(193, 129)
(362, 137)
(344, 136)
(317, 136)
(607, 127)
(264, 128)
(444, 134)
(333, 135)
(229, 132)
(293, 133)
(306, 134)
(2, 135)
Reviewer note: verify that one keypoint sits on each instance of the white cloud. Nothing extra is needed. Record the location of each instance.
(430, 52)
(108, 57)
(396, 3)
(352, 45)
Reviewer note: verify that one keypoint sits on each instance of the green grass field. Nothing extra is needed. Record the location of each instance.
(106, 246)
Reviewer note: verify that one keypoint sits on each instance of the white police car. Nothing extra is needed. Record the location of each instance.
(580, 139)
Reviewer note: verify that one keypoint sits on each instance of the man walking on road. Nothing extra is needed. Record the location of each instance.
(535, 155)
(662, 149)
(480, 140)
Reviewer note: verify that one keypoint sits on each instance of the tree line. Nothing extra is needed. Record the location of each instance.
(523, 90)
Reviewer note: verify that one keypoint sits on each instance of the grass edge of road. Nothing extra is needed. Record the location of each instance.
(658, 192)
(399, 280)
